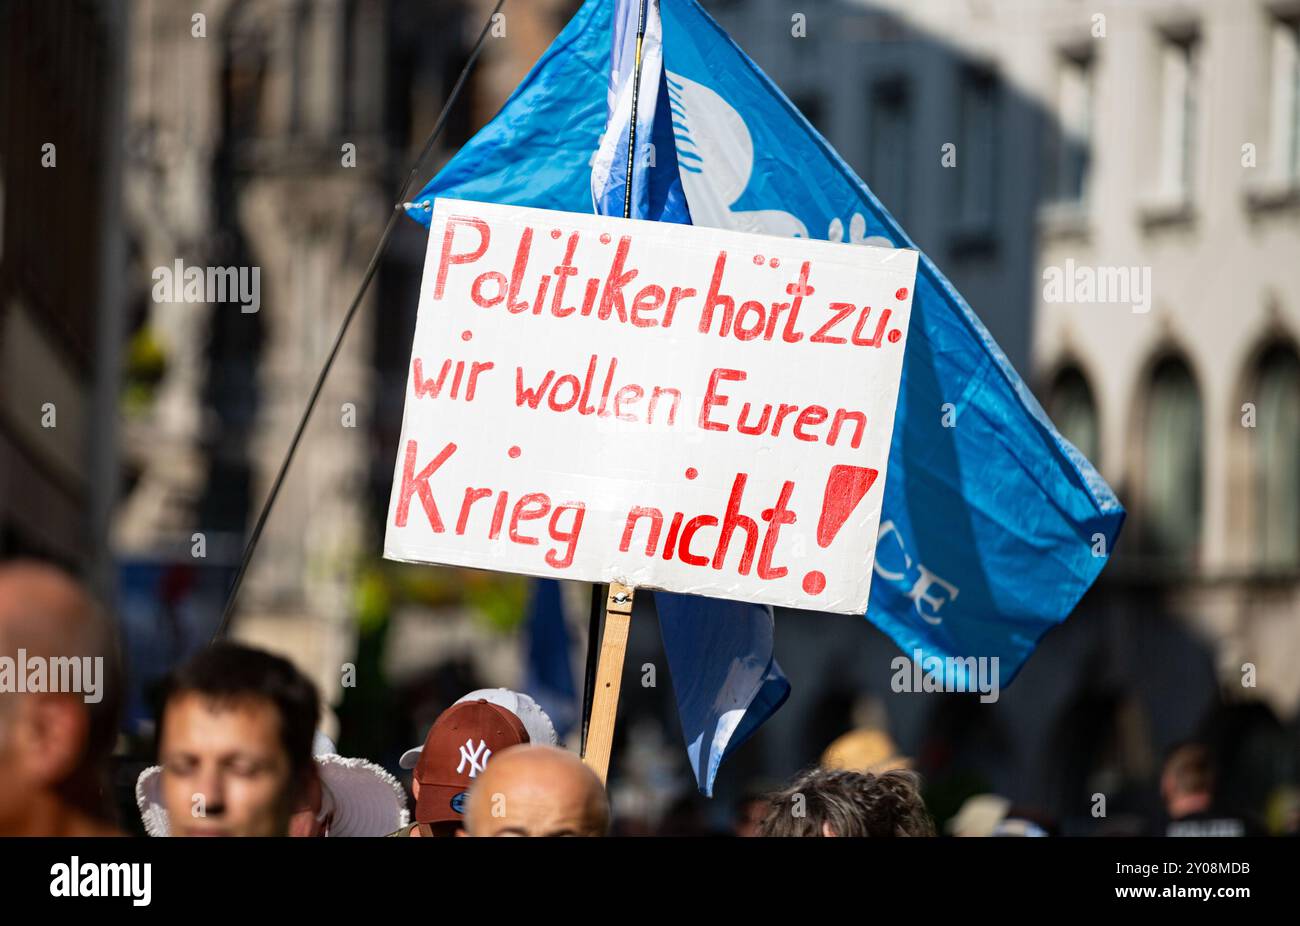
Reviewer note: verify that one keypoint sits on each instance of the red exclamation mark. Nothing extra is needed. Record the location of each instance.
(845, 487)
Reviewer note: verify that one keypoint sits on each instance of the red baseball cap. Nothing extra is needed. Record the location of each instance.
(460, 743)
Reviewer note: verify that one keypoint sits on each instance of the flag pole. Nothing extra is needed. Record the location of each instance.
(636, 96)
(369, 275)
(601, 595)
(598, 593)
(609, 678)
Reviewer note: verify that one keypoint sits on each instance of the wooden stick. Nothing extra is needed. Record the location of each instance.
(609, 678)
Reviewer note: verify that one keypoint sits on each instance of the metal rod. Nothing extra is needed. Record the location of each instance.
(599, 591)
(631, 129)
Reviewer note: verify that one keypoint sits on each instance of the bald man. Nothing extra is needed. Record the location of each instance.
(534, 790)
(58, 705)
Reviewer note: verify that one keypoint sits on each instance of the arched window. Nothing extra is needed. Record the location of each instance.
(1073, 411)
(1172, 455)
(245, 73)
(1277, 459)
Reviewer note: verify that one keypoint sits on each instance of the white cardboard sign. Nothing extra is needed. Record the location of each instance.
(666, 406)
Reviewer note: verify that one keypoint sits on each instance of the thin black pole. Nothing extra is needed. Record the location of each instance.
(599, 592)
(636, 96)
(256, 535)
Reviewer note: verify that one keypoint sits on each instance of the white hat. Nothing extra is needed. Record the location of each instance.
(363, 798)
(979, 815)
(530, 714)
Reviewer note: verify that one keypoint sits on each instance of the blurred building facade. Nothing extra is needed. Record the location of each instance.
(273, 134)
(1152, 144)
(61, 82)
(1192, 408)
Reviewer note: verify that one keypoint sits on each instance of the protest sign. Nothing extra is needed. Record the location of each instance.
(658, 405)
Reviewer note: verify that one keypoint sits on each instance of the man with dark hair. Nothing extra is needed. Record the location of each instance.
(1187, 786)
(235, 743)
(59, 696)
(831, 802)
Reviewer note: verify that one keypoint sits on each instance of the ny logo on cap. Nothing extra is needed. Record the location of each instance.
(476, 757)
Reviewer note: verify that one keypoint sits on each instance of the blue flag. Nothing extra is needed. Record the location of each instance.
(720, 653)
(548, 670)
(725, 676)
(655, 192)
(992, 530)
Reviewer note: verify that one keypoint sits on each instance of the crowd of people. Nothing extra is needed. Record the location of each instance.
(240, 754)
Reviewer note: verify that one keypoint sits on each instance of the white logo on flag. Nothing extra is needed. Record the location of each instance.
(476, 756)
(716, 160)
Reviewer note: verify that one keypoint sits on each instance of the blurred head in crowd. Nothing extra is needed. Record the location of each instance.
(864, 750)
(979, 815)
(312, 818)
(537, 791)
(749, 813)
(835, 802)
(235, 744)
(994, 815)
(458, 748)
(1283, 810)
(351, 797)
(1187, 781)
(59, 695)
(1020, 827)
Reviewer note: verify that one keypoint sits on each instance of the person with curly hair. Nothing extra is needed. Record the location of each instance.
(837, 802)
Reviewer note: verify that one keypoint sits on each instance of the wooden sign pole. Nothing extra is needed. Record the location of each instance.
(609, 678)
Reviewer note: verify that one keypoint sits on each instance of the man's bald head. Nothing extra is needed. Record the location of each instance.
(48, 614)
(533, 790)
(44, 611)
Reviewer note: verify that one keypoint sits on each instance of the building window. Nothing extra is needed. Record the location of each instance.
(353, 79)
(1277, 459)
(889, 144)
(244, 79)
(1172, 481)
(1284, 124)
(977, 155)
(1071, 159)
(1073, 411)
(1179, 119)
(298, 65)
